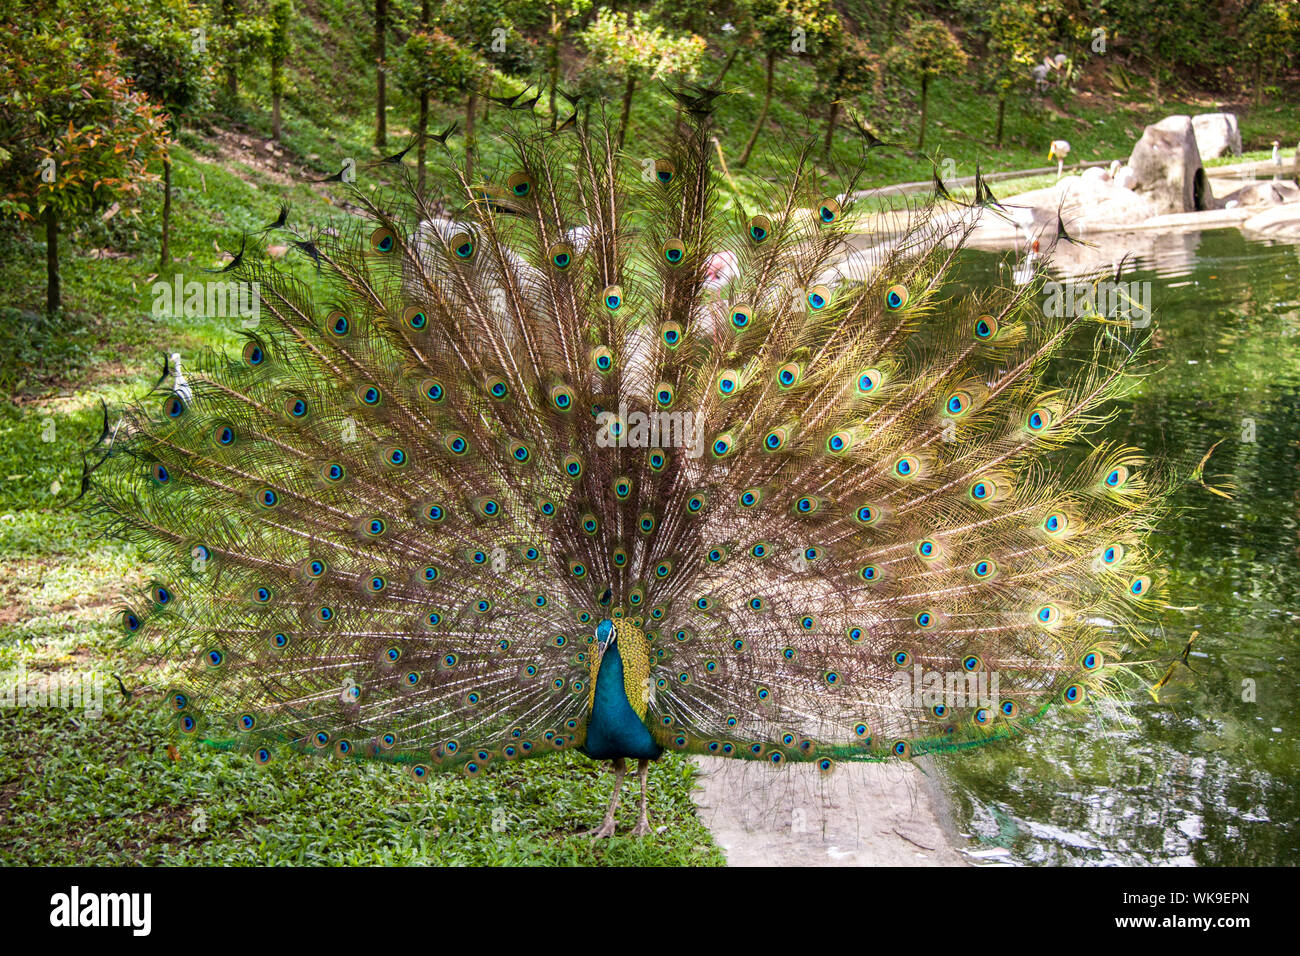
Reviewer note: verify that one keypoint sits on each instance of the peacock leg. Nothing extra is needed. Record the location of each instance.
(643, 821)
(606, 829)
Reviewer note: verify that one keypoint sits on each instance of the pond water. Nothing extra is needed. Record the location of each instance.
(1211, 773)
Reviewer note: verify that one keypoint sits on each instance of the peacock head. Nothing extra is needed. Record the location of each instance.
(604, 637)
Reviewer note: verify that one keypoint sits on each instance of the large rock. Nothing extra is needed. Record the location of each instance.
(1217, 134)
(1168, 167)
(1280, 222)
(1263, 193)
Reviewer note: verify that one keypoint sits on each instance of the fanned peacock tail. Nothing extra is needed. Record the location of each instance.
(816, 482)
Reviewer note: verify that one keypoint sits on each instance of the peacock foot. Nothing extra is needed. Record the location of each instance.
(641, 829)
(602, 832)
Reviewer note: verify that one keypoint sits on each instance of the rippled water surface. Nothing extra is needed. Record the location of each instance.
(1209, 775)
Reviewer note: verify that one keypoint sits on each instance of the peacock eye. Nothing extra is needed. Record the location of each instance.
(560, 255)
(520, 184)
(462, 246)
(818, 297)
(673, 251)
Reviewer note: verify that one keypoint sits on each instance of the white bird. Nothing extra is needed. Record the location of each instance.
(179, 385)
(1023, 273)
(1058, 151)
(1277, 155)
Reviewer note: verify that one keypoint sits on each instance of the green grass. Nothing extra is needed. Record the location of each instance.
(78, 789)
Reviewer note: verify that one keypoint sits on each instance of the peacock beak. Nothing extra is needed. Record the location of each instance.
(604, 638)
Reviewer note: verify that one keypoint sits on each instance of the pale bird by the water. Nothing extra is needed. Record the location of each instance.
(1058, 151)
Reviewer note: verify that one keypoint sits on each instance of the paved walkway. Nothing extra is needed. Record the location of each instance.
(859, 815)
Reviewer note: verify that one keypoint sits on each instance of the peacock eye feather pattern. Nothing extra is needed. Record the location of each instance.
(598, 464)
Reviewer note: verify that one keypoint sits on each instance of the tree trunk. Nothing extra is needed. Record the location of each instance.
(471, 107)
(731, 58)
(422, 121)
(164, 256)
(553, 62)
(53, 286)
(925, 97)
(832, 117)
(627, 107)
(277, 94)
(762, 113)
(421, 129)
(889, 23)
(228, 15)
(381, 97)
(1002, 111)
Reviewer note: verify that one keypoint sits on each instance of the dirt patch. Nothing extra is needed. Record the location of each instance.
(272, 160)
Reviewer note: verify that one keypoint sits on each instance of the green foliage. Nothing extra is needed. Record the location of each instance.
(1017, 39)
(845, 67)
(630, 45)
(486, 29)
(64, 97)
(165, 54)
(928, 49)
(436, 64)
(239, 37)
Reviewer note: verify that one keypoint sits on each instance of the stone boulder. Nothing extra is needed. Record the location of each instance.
(1217, 134)
(1279, 222)
(1263, 193)
(1168, 169)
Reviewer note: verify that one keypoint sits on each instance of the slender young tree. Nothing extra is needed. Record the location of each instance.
(381, 92)
(166, 58)
(77, 135)
(1017, 35)
(628, 47)
(928, 50)
(844, 68)
(431, 63)
(281, 19)
(784, 28)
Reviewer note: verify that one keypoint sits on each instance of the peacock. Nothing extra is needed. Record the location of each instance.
(602, 458)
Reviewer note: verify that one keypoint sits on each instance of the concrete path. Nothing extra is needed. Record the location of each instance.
(859, 815)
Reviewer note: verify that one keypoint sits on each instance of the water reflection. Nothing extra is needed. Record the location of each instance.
(1209, 774)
